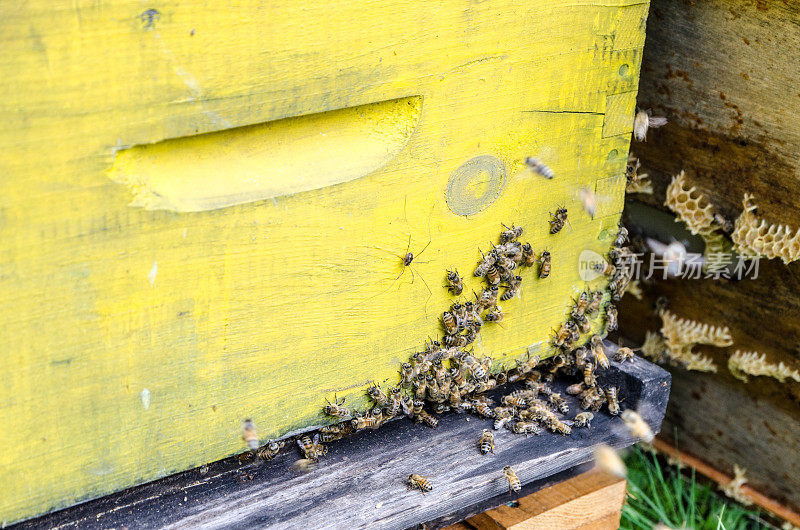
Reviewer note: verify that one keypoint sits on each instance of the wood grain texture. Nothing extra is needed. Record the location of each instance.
(361, 482)
(138, 340)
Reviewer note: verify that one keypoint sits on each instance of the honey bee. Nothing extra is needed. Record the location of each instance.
(575, 389)
(613, 403)
(564, 333)
(588, 200)
(459, 312)
(406, 375)
(514, 401)
(524, 427)
(250, 435)
(478, 372)
(512, 250)
(470, 335)
(377, 395)
(311, 448)
(643, 121)
(505, 265)
(417, 407)
(513, 481)
(594, 303)
(559, 218)
(487, 298)
(599, 352)
(510, 234)
(364, 422)
(501, 378)
(495, 314)
(581, 303)
(455, 283)
(528, 256)
(485, 386)
(336, 409)
(427, 419)
(502, 416)
(487, 261)
(558, 426)
(269, 451)
(449, 323)
(330, 436)
(458, 341)
(559, 402)
(605, 269)
(637, 426)
(544, 269)
(539, 167)
(486, 442)
(528, 364)
(624, 354)
(583, 419)
(483, 409)
(512, 289)
(420, 386)
(395, 402)
(492, 275)
(608, 460)
(418, 482)
(611, 317)
(582, 322)
(593, 399)
(579, 355)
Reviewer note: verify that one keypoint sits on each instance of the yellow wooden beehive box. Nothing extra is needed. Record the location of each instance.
(202, 208)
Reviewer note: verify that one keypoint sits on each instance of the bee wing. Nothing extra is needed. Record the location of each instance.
(304, 465)
(656, 121)
(568, 422)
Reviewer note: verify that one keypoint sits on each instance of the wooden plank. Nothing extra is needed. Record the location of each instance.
(138, 340)
(360, 483)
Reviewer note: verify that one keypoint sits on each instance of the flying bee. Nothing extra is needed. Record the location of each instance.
(427, 419)
(558, 221)
(637, 426)
(512, 289)
(449, 323)
(455, 283)
(495, 314)
(539, 167)
(608, 460)
(564, 333)
(336, 409)
(492, 275)
(486, 442)
(406, 375)
(513, 481)
(544, 269)
(575, 389)
(582, 322)
(643, 121)
(483, 409)
(250, 434)
(528, 256)
(599, 352)
(510, 234)
(588, 200)
(418, 482)
(613, 402)
(624, 354)
(559, 402)
(583, 419)
(377, 395)
(594, 303)
(611, 317)
(487, 298)
(269, 451)
(524, 427)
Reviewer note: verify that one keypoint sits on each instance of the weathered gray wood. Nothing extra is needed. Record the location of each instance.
(361, 481)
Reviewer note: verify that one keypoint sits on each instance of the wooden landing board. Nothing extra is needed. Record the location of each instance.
(136, 340)
(360, 483)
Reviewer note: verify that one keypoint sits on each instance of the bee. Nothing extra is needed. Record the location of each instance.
(593, 398)
(485, 386)
(311, 448)
(524, 427)
(454, 399)
(250, 435)
(558, 426)
(304, 465)
(363, 422)
(440, 408)
(492, 275)
(613, 403)
(605, 269)
(483, 409)
(539, 167)
(513, 481)
(455, 283)
(377, 414)
(624, 354)
(559, 402)
(487, 261)
(582, 322)
(449, 323)
(495, 314)
(544, 269)
(478, 372)
(420, 386)
(418, 482)
(559, 218)
(588, 200)
(583, 419)
(594, 303)
(608, 460)
(416, 407)
(575, 389)
(377, 395)
(581, 303)
(487, 298)
(512, 250)
(432, 388)
(528, 256)
(427, 419)
(528, 364)
(643, 121)
(514, 401)
(637, 426)
(580, 355)
(564, 333)
(470, 335)
(486, 442)
(501, 378)
(336, 409)
(510, 234)
(505, 264)
(395, 402)
(611, 317)
(512, 289)
(458, 341)
(330, 436)
(622, 237)
(502, 416)
(599, 352)
(269, 451)
(406, 375)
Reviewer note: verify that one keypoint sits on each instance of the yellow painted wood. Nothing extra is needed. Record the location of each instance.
(135, 341)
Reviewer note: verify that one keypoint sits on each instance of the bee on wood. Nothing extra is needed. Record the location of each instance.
(512, 250)
(495, 314)
(250, 434)
(528, 256)
(416, 407)
(599, 352)
(581, 303)
(510, 234)
(594, 303)
(582, 322)
(539, 167)
(513, 481)
(611, 317)
(478, 372)
(514, 401)
(492, 275)
(579, 355)
(458, 341)
(360, 423)
(311, 448)
(559, 402)
(622, 237)
(336, 409)
(449, 323)
(643, 121)
(637, 426)
(455, 283)
(330, 436)
(470, 335)
(395, 402)
(483, 409)
(486, 442)
(486, 262)
(558, 221)
(624, 354)
(583, 419)
(505, 265)
(427, 419)
(418, 482)
(420, 386)
(269, 451)
(502, 416)
(406, 375)
(593, 399)
(487, 298)
(564, 333)
(605, 269)
(512, 289)
(526, 428)
(558, 426)
(377, 395)
(613, 402)
(485, 386)
(544, 268)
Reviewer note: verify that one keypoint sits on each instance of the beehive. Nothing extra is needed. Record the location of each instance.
(204, 209)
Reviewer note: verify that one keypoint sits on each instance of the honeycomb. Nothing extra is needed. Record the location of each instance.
(734, 488)
(681, 332)
(754, 237)
(691, 206)
(716, 253)
(654, 347)
(741, 364)
(635, 289)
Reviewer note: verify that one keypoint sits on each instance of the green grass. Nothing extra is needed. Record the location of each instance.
(660, 494)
